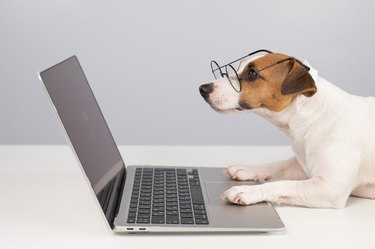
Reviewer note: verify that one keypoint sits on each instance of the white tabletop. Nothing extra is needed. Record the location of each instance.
(45, 203)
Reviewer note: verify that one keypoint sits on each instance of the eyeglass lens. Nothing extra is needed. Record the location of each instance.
(216, 70)
(233, 77)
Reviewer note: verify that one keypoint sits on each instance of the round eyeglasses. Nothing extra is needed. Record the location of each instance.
(231, 73)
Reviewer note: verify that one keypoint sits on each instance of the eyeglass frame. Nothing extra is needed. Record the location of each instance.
(257, 71)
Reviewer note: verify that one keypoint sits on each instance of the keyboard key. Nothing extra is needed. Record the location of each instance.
(173, 203)
(199, 211)
(143, 216)
(172, 208)
(181, 172)
(200, 216)
(131, 220)
(172, 212)
(157, 209)
(184, 198)
(194, 180)
(158, 213)
(196, 195)
(144, 211)
(157, 220)
(187, 221)
(144, 206)
(187, 215)
(185, 202)
(201, 221)
(132, 210)
(131, 215)
(134, 200)
(172, 219)
(133, 205)
(186, 210)
(143, 220)
(199, 207)
(171, 199)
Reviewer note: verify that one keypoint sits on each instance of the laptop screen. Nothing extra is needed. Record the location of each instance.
(85, 126)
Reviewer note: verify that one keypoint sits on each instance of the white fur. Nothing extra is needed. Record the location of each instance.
(333, 137)
(224, 98)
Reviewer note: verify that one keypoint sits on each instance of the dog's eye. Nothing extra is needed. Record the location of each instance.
(252, 74)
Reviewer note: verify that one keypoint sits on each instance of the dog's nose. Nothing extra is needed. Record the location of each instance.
(206, 89)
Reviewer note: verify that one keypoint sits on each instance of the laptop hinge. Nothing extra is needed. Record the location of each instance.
(110, 197)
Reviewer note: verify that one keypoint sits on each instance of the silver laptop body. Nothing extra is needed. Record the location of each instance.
(112, 182)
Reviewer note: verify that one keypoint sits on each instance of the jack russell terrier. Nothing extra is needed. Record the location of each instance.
(332, 132)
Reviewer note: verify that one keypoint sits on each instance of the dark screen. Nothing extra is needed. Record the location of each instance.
(83, 121)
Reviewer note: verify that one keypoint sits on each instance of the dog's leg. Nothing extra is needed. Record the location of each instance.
(314, 192)
(365, 191)
(333, 180)
(283, 170)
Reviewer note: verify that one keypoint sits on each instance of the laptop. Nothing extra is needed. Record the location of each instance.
(135, 199)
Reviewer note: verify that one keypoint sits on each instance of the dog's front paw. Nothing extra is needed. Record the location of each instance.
(243, 195)
(243, 172)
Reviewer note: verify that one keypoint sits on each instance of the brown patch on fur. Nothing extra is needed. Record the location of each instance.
(277, 86)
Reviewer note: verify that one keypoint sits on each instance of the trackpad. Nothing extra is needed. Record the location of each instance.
(260, 216)
(215, 189)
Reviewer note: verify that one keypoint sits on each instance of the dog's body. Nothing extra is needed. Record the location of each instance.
(332, 134)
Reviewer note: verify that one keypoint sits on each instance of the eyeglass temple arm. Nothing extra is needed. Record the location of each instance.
(255, 52)
(284, 60)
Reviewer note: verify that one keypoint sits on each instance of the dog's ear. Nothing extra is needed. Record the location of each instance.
(298, 80)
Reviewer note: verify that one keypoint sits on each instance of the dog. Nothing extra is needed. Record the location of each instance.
(332, 134)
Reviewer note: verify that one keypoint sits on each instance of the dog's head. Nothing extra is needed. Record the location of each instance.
(262, 84)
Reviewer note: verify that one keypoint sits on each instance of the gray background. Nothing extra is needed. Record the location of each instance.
(146, 59)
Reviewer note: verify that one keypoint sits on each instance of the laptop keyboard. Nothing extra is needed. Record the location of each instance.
(167, 196)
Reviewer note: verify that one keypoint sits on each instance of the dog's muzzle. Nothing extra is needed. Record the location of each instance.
(206, 89)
